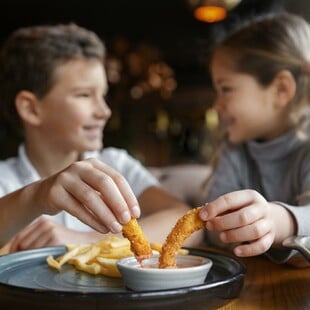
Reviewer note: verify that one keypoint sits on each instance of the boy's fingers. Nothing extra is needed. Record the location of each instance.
(123, 199)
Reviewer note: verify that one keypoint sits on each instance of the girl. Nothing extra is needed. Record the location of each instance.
(52, 89)
(260, 190)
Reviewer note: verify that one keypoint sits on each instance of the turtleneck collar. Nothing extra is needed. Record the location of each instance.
(277, 148)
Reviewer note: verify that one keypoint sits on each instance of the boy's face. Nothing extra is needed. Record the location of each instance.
(74, 112)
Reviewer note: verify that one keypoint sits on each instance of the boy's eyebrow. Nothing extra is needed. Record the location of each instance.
(220, 80)
(89, 87)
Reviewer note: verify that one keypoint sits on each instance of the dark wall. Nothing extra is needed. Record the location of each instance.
(166, 29)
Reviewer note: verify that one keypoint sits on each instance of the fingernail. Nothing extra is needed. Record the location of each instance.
(209, 225)
(116, 227)
(136, 211)
(223, 237)
(238, 252)
(125, 217)
(104, 230)
(204, 215)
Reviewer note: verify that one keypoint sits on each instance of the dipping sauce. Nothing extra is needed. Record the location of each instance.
(190, 270)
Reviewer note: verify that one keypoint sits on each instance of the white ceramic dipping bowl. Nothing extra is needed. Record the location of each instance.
(192, 271)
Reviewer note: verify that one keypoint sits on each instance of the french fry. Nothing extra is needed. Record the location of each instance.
(110, 242)
(117, 253)
(75, 251)
(93, 268)
(100, 257)
(85, 256)
(157, 247)
(109, 267)
(53, 262)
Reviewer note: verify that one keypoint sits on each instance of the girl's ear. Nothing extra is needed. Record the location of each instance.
(285, 87)
(27, 107)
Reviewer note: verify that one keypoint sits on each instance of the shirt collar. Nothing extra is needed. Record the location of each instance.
(26, 169)
(28, 172)
(90, 154)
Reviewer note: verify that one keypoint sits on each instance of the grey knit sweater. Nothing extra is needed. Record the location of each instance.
(278, 169)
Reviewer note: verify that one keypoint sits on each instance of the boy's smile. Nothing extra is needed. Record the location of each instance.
(74, 112)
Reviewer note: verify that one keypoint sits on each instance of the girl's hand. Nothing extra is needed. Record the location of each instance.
(89, 190)
(244, 217)
(45, 232)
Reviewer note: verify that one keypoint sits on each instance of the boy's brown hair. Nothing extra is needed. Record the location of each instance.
(29, 57)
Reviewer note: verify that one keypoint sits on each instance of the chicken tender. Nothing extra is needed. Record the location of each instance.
(138, 243)
(185, 226)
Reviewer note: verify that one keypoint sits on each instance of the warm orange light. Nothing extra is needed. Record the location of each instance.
(210, 14)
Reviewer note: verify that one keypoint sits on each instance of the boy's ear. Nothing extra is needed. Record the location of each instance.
(285, 87)
(27, 107)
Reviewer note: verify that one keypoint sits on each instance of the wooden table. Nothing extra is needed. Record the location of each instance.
(270, 286)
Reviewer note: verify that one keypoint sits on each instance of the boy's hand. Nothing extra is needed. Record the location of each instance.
(91, 191)
(45, 232)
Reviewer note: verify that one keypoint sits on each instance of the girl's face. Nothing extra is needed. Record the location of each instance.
(246, 108)
(74, 112)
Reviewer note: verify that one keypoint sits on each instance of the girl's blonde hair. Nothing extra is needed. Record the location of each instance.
(269, 44)
(264, 46)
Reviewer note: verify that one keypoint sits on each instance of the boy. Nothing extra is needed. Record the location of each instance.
(53, 84)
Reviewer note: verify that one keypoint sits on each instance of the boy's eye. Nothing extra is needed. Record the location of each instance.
(225, 89)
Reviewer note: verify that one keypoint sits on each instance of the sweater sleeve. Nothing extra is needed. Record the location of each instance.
(225, 178)
(301, 210)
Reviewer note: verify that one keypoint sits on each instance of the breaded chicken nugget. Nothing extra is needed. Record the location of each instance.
(185, 226)
(138, 243)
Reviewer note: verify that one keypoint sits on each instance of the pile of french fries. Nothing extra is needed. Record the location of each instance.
(100, 257)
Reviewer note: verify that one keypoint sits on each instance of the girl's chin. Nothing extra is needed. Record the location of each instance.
(234, 139)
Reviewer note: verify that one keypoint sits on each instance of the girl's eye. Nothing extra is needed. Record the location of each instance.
(85, 95)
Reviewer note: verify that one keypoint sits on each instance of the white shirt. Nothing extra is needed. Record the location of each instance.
(16, 172)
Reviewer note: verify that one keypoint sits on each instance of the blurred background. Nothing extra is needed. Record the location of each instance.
(160, 90)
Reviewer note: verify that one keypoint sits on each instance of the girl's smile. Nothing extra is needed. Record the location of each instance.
(248, 110)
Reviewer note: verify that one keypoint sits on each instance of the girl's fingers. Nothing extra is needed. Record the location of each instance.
(257, 247)
(247, 233)
(238, 218)
(230, 201)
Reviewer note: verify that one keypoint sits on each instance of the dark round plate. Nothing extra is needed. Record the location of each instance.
(27, 280)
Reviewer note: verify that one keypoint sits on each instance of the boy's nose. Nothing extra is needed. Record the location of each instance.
(218, 105)
(102, 109)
